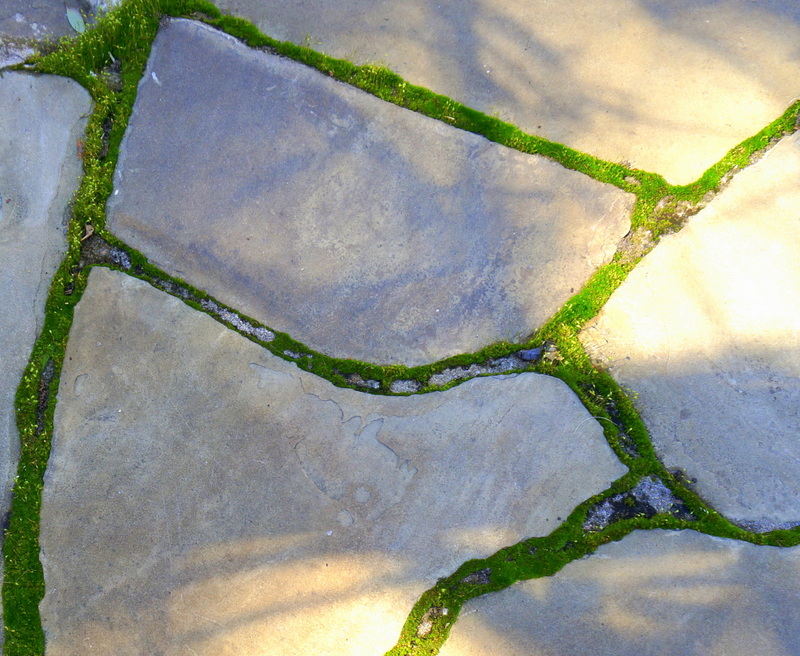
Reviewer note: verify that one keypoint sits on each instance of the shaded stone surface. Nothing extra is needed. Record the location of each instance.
(23, 19)
(236, 504)
(653, 593)
(40, 120)
(706, 332)
(669, 85)
(24, 22)
(361, 229)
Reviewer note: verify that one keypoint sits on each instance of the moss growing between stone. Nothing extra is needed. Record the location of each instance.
(108, 60)
(23, 586)
(424, 632)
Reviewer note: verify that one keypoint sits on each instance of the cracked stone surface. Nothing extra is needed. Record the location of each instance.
(40, 120)
(364, 230)
(706, 332)
(669, 86)
(236, 503)
(655, 592)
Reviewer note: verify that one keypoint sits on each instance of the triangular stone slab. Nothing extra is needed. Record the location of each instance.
(363, 230)
(204, 496)
(706, 332)
(654, 593)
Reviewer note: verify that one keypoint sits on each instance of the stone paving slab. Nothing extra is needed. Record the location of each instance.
(363, 230)
(669, 85)
(206, 497)
(23, 22)
(653, 593)
(24, 19)
(40, 121)
(706, 332)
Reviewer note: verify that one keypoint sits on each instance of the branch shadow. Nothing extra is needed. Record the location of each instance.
(670, 87)
(655, 592)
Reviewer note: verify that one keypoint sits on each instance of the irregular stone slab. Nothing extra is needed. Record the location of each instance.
(206, 497)
(40, 121)
(362, 229)
(669, 85)
(706, 332)
(653, 593)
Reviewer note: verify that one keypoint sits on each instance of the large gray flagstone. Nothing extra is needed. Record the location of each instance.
(669, 85)
(653, 593)
(41, 119)
(362, 229)
(205, 497)
(706, 332)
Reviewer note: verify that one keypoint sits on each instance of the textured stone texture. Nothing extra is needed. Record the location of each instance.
(236, 504)
(670, 85)
(706, 332)
(362, 229)
(24, 22)
(24, 19)
(40, 120)
(651, 594)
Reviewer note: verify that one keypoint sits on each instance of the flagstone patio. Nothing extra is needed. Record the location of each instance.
(315, 361)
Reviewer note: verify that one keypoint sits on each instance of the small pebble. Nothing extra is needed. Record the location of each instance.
(529, 355)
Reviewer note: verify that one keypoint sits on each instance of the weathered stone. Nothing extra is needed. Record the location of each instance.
(206, 497)
(364, 230)
(40, 120)
(23, 19)
(531, 355)
(25, 24)
(668, 85)
(653, 593)
(705, 332)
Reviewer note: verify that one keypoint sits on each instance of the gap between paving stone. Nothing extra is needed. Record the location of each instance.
(705, 333)
(653, 593)
(40, 120)
(216, 464)
(96, 251)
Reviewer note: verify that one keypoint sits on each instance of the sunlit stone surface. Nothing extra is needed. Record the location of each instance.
(363, 230)
(653, 593)
(668, 85)
(204, 496)
(706, 332)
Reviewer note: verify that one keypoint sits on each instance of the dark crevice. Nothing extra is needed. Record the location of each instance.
(43, 399)
(650, 497)
(96, 250)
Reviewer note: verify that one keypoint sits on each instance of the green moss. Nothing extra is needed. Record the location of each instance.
(742, 155)
(546, 556)
(108, 60)
(23, 587)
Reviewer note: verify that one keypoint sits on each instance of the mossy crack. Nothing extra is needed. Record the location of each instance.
(108, 60)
